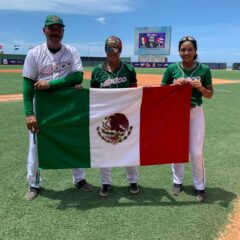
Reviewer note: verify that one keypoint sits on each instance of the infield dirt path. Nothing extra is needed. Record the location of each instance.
(232, 230)
(155, 79)
(143, 80)
(10, 97)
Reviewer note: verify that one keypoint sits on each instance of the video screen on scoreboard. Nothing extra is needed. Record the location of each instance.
(152, 40)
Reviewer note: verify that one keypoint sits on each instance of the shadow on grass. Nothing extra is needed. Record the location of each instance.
(214, 195)
(121, 197)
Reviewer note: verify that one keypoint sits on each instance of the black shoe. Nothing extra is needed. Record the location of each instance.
(176, 188)
(200, 195)
(84, 185)
(104, 192)
(134, 188)
(32, 193)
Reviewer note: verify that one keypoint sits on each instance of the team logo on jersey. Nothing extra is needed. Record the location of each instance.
(113, 81)
(55, 68)
(65, 65)
(115, 128)
(189, 79)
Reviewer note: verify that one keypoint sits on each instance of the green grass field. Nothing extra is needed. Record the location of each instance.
(64, 212)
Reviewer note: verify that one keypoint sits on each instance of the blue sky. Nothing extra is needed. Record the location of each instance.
(214, 23)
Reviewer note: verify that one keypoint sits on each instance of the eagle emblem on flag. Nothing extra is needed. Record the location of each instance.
(114, 128)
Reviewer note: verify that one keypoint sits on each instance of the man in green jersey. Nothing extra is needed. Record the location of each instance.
(51, 65)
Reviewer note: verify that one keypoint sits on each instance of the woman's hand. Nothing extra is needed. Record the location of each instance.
(180, 81)
(196, 84)
(206, 91)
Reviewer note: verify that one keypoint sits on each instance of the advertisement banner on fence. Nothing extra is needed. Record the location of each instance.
(151, 64)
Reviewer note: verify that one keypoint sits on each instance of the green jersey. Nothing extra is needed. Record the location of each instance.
(123, 77)
(200, 72)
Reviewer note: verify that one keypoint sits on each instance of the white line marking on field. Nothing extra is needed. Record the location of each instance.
(217, 90)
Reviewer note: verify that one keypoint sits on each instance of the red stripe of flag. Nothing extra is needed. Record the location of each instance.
(164, 130)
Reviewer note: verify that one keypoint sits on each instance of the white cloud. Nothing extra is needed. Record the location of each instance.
(83, 7)
(101, 20)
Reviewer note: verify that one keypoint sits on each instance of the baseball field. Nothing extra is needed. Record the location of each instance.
(64, 212)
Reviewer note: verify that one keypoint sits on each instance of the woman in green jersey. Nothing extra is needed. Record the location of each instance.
(190, 71)
(114, 73)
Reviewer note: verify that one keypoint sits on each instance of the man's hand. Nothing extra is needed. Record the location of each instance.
(41, 85)
(32, 124)
(78, 86)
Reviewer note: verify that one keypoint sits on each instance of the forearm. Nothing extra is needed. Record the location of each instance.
(207, 92)
(69, 81)
(28, 94)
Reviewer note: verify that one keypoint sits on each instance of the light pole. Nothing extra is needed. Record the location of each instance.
(88, 51)
(95, 44)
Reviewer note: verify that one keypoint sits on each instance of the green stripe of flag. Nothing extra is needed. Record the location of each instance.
(63, 118)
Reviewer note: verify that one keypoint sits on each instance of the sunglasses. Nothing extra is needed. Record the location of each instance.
(114, 50)
(187, 38)
(55, 28)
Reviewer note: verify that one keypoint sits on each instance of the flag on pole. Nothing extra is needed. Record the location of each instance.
(16, 47)
(113, 127)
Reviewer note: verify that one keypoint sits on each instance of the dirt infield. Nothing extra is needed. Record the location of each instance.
(143, 79)
(155, 79)
(10, 97)
(232, 230)
(10, 70)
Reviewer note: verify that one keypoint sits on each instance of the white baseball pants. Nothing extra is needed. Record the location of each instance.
(33, 174)
(196, 142)
(132, 175)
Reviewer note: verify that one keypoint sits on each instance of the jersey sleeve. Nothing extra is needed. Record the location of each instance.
(77, 62)
(167, 77)
(68, 81)
(208, 78)
(28, 94)
(133, 75)
(95, 78)
(30, 66)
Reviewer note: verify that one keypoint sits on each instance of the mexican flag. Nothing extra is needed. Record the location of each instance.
(96, 128)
